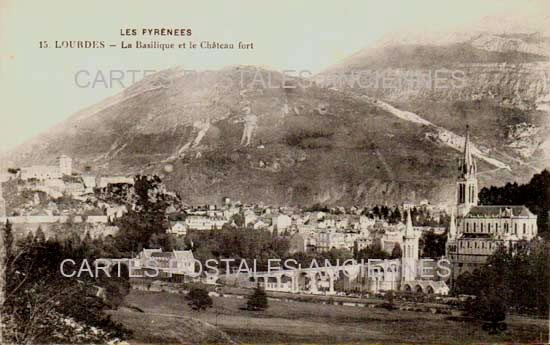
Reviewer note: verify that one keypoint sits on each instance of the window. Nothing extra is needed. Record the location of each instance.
(516, 228)
(524, 228)
(489, 227)
(475, 226)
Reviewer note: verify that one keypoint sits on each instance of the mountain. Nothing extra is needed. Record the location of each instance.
(308, 143)
(238, 132)
(498, 84)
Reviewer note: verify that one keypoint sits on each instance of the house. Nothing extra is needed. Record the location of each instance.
(115, 211)
(261, 223)
(249, 217)
(297, 243)
(196, 222)
(281, 222)
(176, 262)
(328, 240)
(89, 181)
(177, 228)
(180, 262)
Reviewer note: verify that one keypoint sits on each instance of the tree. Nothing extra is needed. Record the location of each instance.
(373, 251)
(385, 211)
(395, 216)
(6, 256)
(29, 239)
(519, 279)
(389, 301)
(239, 243)
(42, 306)
(117, 286)
(8, 243)
(238, 219)
(40, 237)
(432, 244)
(535, 195)
(147, 216)
(199, 299)
(4, 259)
(396, 252)
(257, 301)
(491, 309)
(376, 212)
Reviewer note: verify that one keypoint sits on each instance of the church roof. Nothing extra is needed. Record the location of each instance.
(499, 211)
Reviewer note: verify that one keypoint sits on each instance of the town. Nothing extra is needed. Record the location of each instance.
(55, 201)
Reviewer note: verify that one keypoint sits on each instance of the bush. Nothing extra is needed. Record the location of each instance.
(199, 299)
(258, 300)
(487, 308)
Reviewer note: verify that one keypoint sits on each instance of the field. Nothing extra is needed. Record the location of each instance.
(167, 318)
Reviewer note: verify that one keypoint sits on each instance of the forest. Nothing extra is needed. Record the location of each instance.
(535, 195)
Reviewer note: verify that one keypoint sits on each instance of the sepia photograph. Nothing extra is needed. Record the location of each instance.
(274, 172)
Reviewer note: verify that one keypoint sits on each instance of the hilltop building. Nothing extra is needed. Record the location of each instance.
(479, 230)
(65, 164)
(47, 172)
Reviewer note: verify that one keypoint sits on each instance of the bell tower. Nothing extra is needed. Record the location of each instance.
(409, 258)
(466, 191)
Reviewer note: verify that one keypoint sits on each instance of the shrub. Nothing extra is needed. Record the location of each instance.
(258, 300)
(199, 299)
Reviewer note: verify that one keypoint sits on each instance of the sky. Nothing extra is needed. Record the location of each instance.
(41, 87)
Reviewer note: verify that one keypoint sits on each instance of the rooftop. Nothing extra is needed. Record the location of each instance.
(499, 211)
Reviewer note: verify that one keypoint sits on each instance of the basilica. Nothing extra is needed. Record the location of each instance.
(478, 231)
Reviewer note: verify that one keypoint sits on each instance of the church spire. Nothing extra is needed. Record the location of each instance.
(410, 251)
(468, 167)
(409, 231)
(467, 181)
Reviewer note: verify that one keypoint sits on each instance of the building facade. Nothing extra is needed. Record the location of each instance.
(46, 172)
(479, 230)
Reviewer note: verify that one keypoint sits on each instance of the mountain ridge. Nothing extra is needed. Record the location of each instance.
(240, 132)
